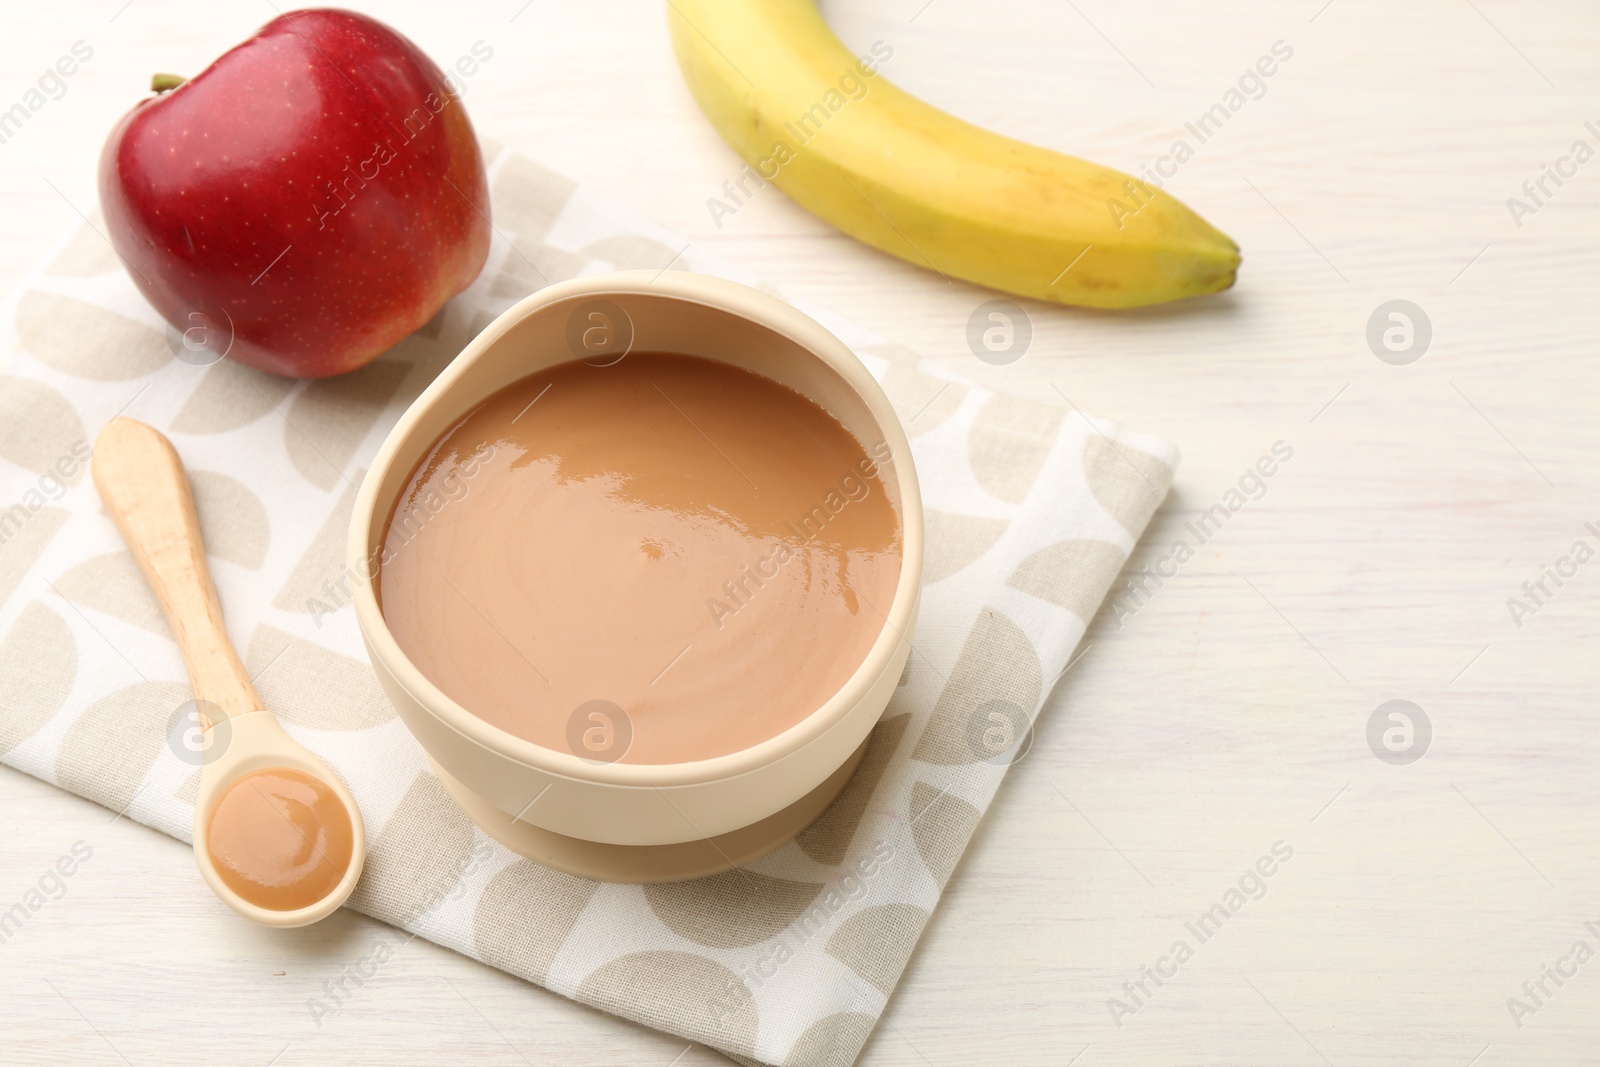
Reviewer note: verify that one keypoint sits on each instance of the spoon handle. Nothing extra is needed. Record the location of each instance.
(144, 488)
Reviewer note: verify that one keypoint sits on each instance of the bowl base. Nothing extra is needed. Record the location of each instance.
(649, 863)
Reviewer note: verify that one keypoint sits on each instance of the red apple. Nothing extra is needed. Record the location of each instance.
(319, 184)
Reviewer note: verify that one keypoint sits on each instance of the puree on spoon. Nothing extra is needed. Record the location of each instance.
(280, 839)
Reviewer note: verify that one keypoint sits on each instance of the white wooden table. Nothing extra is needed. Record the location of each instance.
(1228, 713)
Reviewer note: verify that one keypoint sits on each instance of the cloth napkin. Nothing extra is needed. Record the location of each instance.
(1032, 509)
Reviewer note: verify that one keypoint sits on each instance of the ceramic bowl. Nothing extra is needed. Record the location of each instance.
(601, 318)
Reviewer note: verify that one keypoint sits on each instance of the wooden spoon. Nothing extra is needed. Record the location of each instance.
(142, 482)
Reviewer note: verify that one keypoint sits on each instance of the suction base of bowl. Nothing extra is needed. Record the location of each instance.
(650, 863)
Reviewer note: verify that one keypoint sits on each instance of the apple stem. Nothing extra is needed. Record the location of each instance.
(161, 83)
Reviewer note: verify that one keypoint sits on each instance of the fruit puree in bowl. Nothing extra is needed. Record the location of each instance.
(661, 560)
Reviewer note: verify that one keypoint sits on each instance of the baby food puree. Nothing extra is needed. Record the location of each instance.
(662, 560)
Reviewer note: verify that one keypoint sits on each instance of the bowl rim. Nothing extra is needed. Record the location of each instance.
(767, 311)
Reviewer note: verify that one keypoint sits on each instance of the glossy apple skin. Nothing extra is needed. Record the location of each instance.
(319, 183)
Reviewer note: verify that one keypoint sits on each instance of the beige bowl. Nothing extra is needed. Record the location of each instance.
(625, 804)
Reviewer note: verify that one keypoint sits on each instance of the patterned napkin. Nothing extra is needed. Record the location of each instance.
(1031, 512)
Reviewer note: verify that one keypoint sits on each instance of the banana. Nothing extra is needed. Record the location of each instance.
(917, 183)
